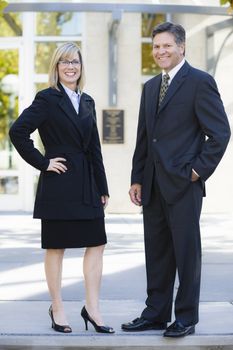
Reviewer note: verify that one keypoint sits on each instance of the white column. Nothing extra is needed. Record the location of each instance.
(117, 157)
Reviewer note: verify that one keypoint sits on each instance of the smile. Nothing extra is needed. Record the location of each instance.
(70, 74)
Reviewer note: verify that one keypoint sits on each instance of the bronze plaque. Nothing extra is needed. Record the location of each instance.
(113, 126)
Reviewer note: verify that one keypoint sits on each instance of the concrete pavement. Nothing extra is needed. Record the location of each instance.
(24, 300)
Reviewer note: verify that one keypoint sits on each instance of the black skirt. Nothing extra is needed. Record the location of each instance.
(61, 234)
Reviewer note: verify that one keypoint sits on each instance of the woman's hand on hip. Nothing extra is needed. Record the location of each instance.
(56, 165)
(104, 200)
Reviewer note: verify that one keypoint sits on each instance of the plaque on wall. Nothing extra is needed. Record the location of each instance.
(113, 126)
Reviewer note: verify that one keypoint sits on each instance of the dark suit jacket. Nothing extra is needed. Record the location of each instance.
(189, 130)
(75, 194)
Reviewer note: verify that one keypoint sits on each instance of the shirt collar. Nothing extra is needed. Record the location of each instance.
(70, 92)
(174, 70)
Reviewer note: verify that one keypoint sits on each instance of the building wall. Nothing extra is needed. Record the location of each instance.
(219, 187)
(118, 157)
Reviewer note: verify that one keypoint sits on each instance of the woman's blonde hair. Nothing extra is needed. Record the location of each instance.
(63, 52)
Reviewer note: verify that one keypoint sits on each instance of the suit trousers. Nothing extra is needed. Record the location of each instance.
(173, 244)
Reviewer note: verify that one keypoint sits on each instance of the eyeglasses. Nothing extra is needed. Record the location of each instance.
(66, 63)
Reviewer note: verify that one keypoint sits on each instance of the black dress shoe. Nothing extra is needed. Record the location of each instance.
(58, 327)
(177, 329)
(100, 329)
(141, 324)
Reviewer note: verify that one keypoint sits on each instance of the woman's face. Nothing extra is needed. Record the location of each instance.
(69, 71)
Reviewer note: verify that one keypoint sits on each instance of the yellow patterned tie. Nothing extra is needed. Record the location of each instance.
(163, 87)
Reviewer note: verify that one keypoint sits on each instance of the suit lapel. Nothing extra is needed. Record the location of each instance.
(155, 94)
(83, 121)
(84, 106)
(66, 105)
(85, 118)
(154, 98)
(68, 108)
(177, 81)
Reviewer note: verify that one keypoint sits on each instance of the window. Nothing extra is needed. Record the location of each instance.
(9, 185)
(59, 23)
(8, 108)
(43, 54)
(149, 21)
(10, 24)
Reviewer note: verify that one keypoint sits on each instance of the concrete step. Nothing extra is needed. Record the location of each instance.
(121, 342)
(26, 325)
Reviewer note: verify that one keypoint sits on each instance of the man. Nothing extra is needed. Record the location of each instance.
(182, 135)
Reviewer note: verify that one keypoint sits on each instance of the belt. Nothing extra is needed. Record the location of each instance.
(88, 172)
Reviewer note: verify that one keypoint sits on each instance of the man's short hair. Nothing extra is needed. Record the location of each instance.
(175, 29)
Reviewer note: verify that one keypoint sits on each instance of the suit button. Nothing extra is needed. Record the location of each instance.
(154, 140)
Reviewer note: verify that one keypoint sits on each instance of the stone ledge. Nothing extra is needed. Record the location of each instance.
(117, 341)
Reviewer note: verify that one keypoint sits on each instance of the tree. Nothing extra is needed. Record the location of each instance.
(9, 65)
(10, 26)
(3, 4)
(224, 2)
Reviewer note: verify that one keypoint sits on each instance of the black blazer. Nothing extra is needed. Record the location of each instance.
(189, 130)
(75, 194)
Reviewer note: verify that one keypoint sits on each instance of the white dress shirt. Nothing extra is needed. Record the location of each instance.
(73, 96)
(173, 71)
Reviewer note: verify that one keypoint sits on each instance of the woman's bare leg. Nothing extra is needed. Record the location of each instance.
(53, 271)
(92, 269)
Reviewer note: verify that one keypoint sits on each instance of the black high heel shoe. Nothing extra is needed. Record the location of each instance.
(99, 329)
(58, 327)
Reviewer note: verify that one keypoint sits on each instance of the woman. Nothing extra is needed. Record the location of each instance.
(72, 190)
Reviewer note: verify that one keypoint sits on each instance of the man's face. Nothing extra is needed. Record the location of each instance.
(166, 53)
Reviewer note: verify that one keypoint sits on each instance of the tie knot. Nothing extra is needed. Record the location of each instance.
(166, 78)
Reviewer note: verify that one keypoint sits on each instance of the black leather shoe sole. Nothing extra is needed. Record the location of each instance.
(179, 333)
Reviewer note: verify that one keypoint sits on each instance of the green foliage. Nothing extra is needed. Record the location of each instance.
(149, 21)
(149, 66)
(44, 52)
(10, 24)
(9, 65)
(224, 2)
(3, 4)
